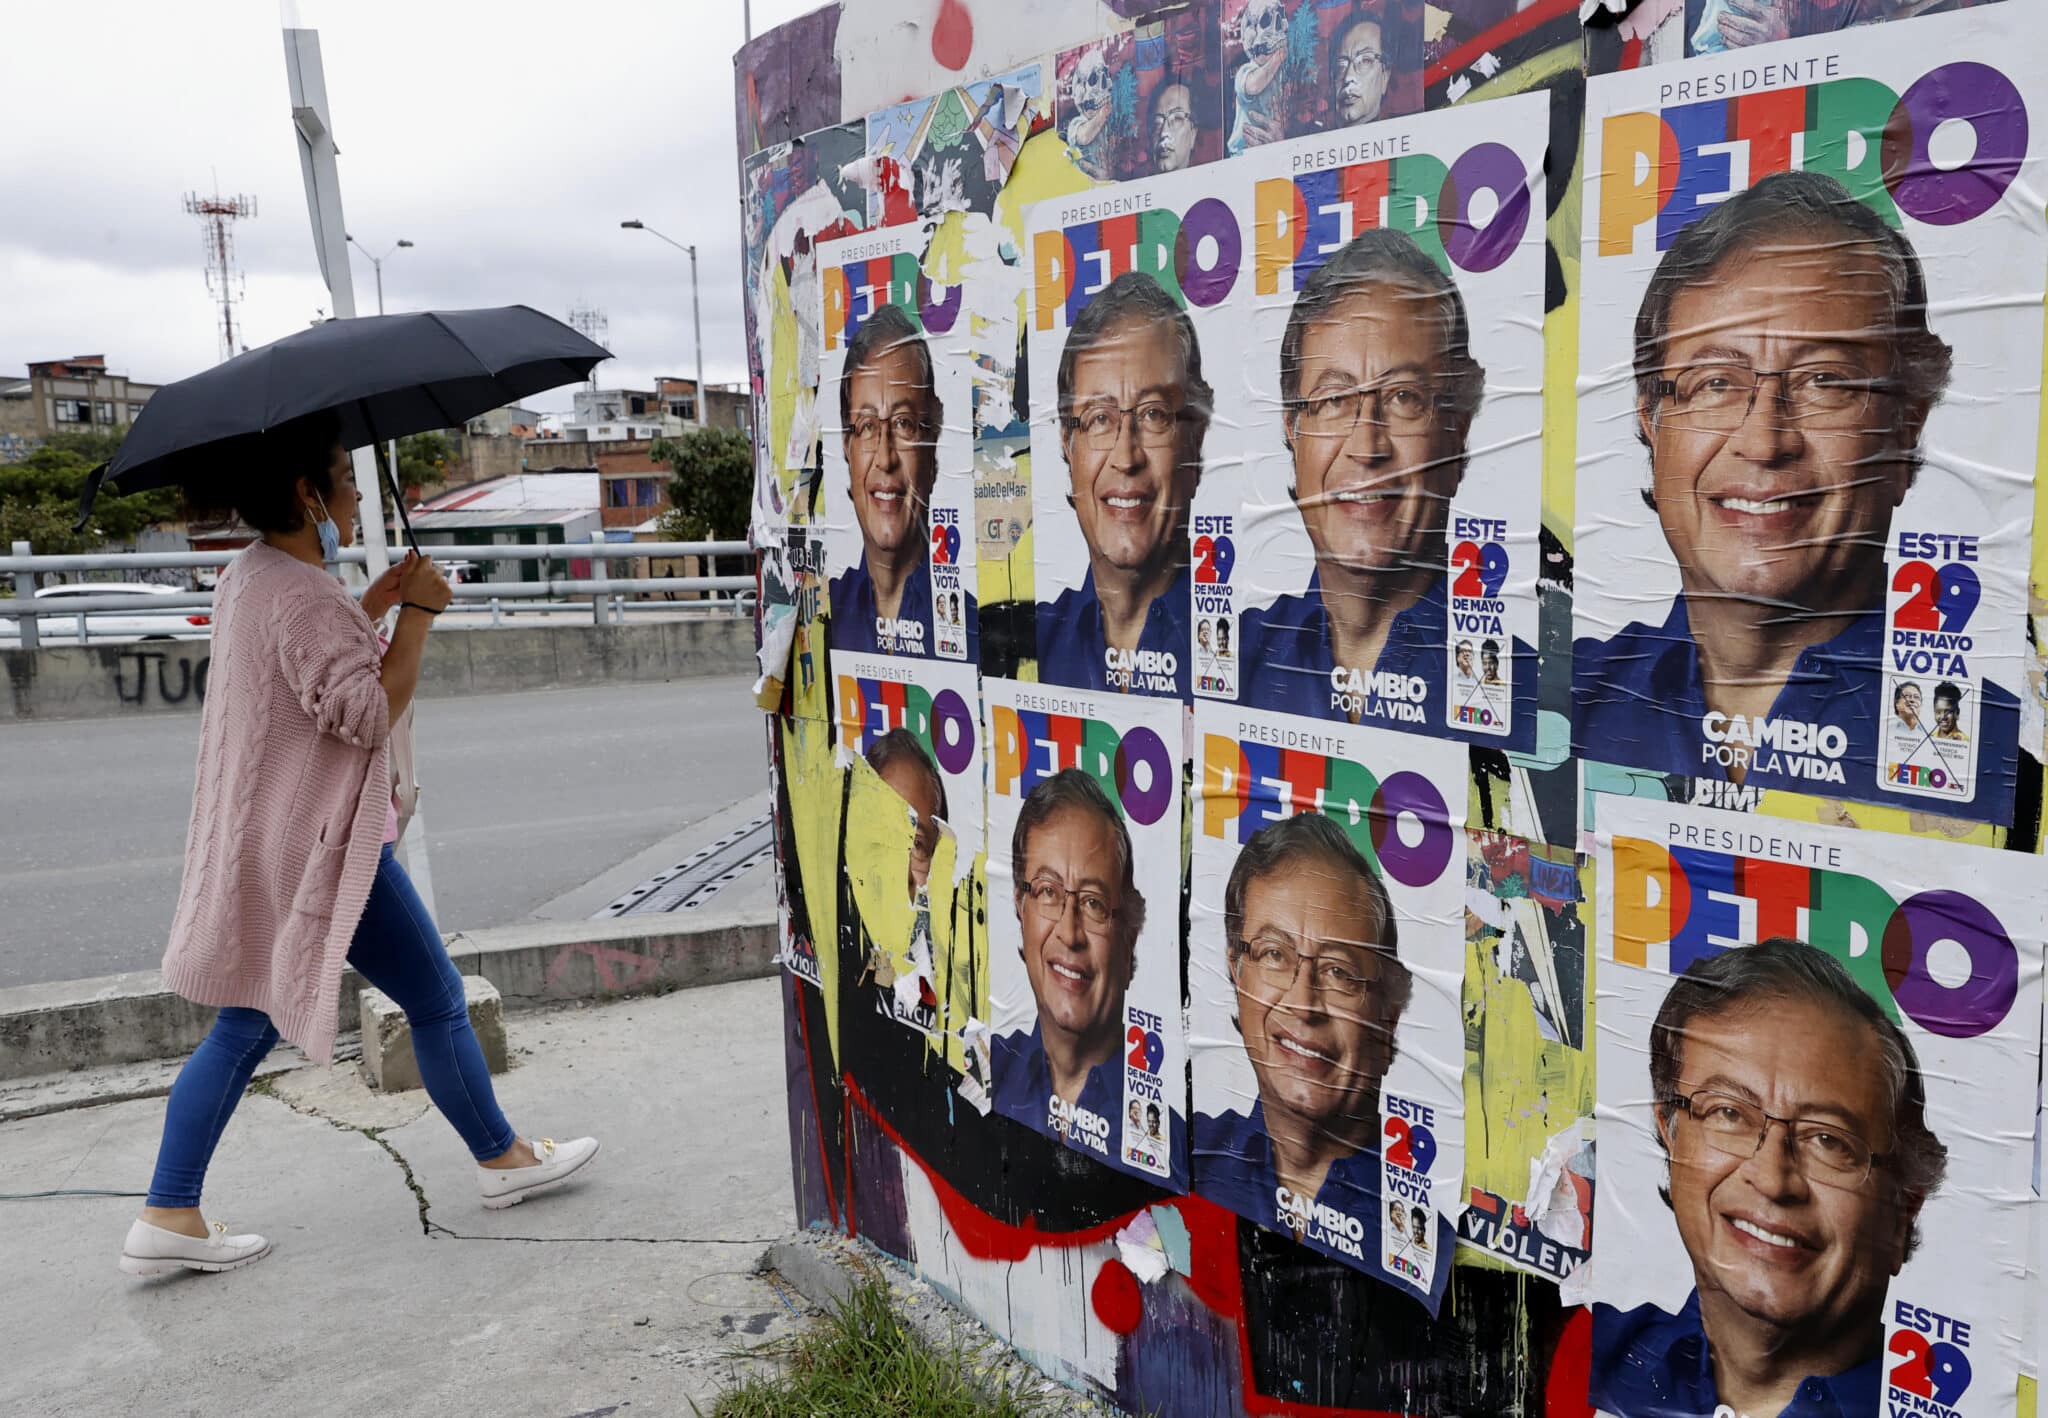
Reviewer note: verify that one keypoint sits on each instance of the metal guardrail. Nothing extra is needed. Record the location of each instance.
(606, 592)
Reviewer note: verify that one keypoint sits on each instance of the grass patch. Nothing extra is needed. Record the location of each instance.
(863, 1358)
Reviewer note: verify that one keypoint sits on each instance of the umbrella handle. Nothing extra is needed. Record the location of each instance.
(389, 475)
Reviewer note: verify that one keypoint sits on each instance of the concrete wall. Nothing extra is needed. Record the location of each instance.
(106, 681)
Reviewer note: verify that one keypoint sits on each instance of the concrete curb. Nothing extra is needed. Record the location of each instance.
(130, 1018)
(824, 1267)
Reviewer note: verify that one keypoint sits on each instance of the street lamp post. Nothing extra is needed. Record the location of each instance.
(696, 314)
(377, 265)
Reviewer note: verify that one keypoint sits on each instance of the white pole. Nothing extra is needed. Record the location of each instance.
(317, 152)
(697, 318)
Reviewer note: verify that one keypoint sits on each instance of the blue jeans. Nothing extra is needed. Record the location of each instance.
(397, 949)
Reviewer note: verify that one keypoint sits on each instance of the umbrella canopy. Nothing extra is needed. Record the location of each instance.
(385, 376)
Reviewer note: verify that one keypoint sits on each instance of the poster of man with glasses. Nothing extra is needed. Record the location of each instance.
(1325, 959)
(1386, 517)
(899, 453)
(1814, 1179)
(1807, 425)
(1134, 300)
(1084, 820)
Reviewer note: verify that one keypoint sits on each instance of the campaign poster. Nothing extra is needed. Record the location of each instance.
(794, 195)
(1529, 1160)
(1315, 66)
(1373, 556)
(1816, 1068)
(895, 406)
(1135, 336)
(950, 152)
(1084, 880)
(1326, 950)
(917, 724)
(1096, 105)
(1177, 62)
(1811, 345)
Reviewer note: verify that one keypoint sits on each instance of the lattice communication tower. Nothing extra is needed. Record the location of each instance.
(217, 217)
(591, 324)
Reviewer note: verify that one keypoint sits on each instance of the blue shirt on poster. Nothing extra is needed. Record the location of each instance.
(855, 625)
(1233, 1166)
(1023, 1085)
(1649, 1364)
(1637, 700)
(1072, 651)
(1288, 659)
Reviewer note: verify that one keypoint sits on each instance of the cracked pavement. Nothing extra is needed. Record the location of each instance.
(391, 1289)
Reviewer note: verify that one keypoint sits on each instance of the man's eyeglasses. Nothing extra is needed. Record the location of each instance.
(1048, 899)
(1349, 64)
(1720, 397)
(1407, 407)
(1735, 1127)
(903, 428)
(1101, 425)
(1276, 965)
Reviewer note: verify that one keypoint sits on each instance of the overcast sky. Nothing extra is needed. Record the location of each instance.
(506, 140)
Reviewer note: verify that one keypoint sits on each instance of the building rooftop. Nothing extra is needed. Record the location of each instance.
(571, 492)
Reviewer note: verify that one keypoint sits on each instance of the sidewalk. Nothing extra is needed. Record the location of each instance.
(391, 1290)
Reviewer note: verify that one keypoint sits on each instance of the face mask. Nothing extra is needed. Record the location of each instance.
(330, 535)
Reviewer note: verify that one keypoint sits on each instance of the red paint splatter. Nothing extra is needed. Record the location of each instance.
(1515, 26)
(1631, 54)
(953, 35)
(1571, 1369)
(1115, 1295)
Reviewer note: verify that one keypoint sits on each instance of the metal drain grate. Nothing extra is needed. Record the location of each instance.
(691, 883)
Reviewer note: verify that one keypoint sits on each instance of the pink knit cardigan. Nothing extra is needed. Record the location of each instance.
(288, 811)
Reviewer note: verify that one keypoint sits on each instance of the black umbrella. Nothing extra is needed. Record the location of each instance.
(385, 376)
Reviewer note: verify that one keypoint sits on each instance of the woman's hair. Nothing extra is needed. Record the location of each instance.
(256, 477)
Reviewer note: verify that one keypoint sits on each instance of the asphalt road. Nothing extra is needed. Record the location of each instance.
(526, 797)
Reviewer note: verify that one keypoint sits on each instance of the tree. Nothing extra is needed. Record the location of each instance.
(423, 460)
(39, 498)
(712, 493)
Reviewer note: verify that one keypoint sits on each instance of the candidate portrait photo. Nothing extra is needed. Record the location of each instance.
(1784, 373)
(1132, 412)
(1318, 989)
(890, 421)
(1379, 389)
(1791, 1114)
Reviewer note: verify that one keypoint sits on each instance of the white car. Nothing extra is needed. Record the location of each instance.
(139, 621)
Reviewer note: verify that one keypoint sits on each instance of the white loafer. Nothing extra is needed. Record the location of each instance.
(508, 1186)
(151, 1250)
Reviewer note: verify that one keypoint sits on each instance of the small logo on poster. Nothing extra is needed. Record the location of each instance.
(1216, 641)
(1481, 652)
(1928, 746)
(1930, 1370)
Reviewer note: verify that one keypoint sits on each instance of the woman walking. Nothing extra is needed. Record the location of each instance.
(304, 784)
